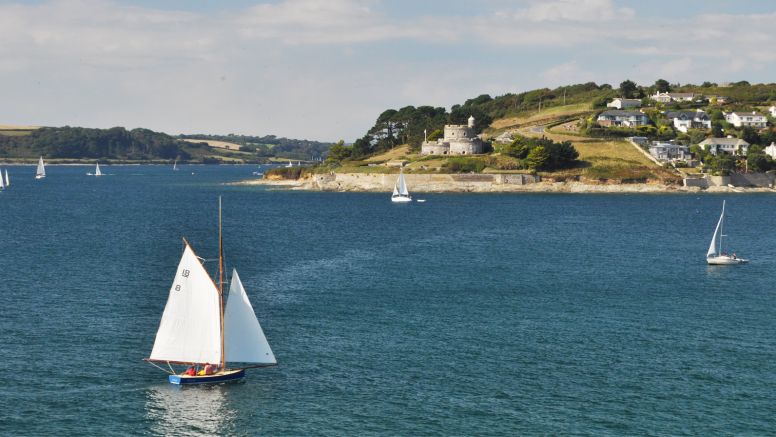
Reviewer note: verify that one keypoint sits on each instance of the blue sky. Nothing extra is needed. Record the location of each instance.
(325, 70)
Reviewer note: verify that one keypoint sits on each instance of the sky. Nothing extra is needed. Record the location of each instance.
(325, 69)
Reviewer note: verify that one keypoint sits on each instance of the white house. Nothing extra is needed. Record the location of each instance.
(772, 109)
(617, 117)
(728, 145)
(672, 97)
(684, 120)
(753, 119)
(771, 150)
(623, 103)
(663, 151)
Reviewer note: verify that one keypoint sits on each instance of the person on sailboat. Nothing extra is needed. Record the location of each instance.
(191, 371)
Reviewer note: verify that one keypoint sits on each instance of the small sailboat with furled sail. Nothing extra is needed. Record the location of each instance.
(400, 191)
(201, 328)
(715, 255)
(40, 172)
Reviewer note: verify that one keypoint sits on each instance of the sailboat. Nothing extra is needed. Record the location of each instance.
(198, 330)
(2, 181)
(7, 179)
(41, 171)
(97, 171)
(715, 255)
(175, 165)
(290, 164)
(400, 192)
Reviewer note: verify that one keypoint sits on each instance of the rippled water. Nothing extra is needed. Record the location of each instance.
(468, 314)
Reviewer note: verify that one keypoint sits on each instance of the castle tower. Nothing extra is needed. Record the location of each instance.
(471, 122)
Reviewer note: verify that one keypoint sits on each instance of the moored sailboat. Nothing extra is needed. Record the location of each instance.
(7, 179)
(40, 172)
(400, 191)
(2, 180)
(715, 255)
(201, 328)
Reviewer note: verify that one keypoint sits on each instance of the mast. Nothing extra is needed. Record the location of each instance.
(221, 284)
(721, 224)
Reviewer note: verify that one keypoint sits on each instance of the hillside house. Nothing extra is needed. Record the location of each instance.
(684, 120)
(771, 150)
(618, 117)
(622, 103)
(772, 110)
(731, 146)
(664, 151)
(742, 119)
(672, 97)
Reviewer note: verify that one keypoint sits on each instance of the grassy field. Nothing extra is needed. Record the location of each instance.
(217, 144)
(546, 115)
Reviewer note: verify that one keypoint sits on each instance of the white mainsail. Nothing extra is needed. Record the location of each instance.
(97, 171)
(402, 184)
(41, 171)
(716, 241)
(7, 179)
(175, 165)
(190, 330)
(2, 183)
(244, 340)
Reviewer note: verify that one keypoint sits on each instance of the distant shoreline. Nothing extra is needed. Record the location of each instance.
(444, 183)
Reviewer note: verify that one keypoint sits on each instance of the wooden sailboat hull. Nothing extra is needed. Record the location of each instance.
(225, 376)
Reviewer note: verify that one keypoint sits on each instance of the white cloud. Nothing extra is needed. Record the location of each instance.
(574, 10)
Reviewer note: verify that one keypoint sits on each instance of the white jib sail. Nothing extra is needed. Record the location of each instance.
(713, 246)
(244, 340)
(41, 168)
(7, 179)
(190, 330)
(97, 171)
(2, 183)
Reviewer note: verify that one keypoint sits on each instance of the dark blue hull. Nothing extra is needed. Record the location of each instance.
(229, 375)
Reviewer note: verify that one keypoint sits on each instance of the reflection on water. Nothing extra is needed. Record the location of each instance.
(200, 410)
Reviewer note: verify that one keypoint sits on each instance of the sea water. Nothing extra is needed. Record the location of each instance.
(467, 314)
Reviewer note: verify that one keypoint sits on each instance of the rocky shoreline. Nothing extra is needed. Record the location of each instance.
(450, 183)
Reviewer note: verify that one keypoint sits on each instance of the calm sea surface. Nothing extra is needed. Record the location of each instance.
(467, 314)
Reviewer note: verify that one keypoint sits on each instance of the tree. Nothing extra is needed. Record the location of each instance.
(662, 85)
(708, 84)
(750, 135)
(537, 158)
(758, 162)
(433, 136)
(338, 152)
(628, 89)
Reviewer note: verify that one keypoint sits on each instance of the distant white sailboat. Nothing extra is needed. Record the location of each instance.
(400, 191)
(175, 165)
(715, 255)
(97, 171)
(2, 181)
(200, 327)
(7, 179)
(40, 173)
(290, 164)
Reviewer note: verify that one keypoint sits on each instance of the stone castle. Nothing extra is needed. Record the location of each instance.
(459, 139)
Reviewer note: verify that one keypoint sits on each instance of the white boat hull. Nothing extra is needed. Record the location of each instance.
(401, 199)
(725, 260)
(39, 177)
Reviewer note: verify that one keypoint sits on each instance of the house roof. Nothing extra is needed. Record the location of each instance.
(688, 115)
(622, 113)
(626, 100)
(724, 141)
